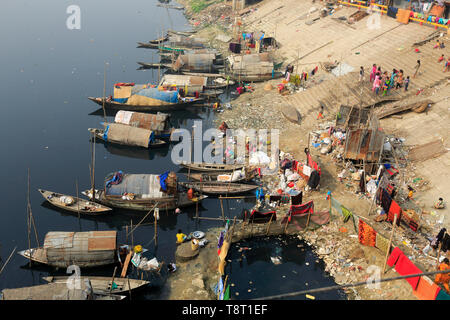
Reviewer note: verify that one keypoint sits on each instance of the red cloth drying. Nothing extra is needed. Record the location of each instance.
(404, 266)
(394, 209)
(394, 256)
(301, 209)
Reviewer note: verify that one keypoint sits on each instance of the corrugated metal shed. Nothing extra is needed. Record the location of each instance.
(85, 249)
(364, 144)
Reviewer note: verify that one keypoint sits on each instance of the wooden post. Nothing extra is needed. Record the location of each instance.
(7, 260)
(93, 170)
(268, 227)
(390, 241)
(78, 200)
(329, 203)
(112, 281)
(129, 287)
(307, 222)
(126, 234)
(132, 238)
(156, 229)
(104, 92)
(287, 221)
(439, 253)
(221, 206)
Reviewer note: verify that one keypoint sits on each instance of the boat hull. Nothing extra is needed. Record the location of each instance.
(162, 107)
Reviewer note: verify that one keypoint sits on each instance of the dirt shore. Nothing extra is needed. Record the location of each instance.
(345, 258)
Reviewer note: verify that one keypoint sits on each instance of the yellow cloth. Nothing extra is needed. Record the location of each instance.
(382, 243)
(180, 237)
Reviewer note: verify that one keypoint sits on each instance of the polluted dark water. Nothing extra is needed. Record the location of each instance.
(268, 266)
(48, 71)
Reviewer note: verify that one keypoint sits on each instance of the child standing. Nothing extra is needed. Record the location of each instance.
(373, 73)
(406, 83)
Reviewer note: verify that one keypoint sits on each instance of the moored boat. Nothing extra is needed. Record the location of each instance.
(58, 291)
(84, 249)
(102, 285)
(74, 204)
(127, 135)
(219, 188)
(143, 192)
(150, 107)
(212, 166)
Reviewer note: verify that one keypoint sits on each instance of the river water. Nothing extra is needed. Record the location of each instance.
(48, 71)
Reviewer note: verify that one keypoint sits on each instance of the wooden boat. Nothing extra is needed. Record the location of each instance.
(159, 40)
(211, 167)
(84, 249)
(181, 33)
(170, 6)
(111, 104)
(213, 177)
(140, 204)
(142, 192)
(102, 285)
(74, 204)
(99, 133)
(219, 188)
(58, 291)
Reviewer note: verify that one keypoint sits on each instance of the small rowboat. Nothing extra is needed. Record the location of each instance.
(219, 188)
(102, 285)
(212, 166)
(74, 204)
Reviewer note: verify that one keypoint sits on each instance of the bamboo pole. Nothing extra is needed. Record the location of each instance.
(221, 207)
(104, 92)
(287, 221)
(78, 200)
(93, 169)
(129, 287)
(390, 242)
(132, 238)
(132, 229)
(112, 281)
(268, 227)
(156, 232)
(307, 222)
(7, 260)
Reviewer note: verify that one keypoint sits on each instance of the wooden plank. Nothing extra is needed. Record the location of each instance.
(125, 265)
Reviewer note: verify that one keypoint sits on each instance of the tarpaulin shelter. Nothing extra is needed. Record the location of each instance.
(144, 95)
(154, 122)
(191, 83)
(202, 62)
(257, 66)
(144, 185)
(186, 42)
(128, 135)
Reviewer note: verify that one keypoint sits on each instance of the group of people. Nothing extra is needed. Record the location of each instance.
(440, 45)
(384, 81)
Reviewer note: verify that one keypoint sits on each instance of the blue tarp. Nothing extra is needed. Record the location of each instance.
(154, 93)
(105, 133)
(259, 194)
(162, 180)
(116, 179)
(123, 100)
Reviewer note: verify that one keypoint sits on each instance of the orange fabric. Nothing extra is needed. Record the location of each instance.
(366, 235)
(426, 289)
(443, 278)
